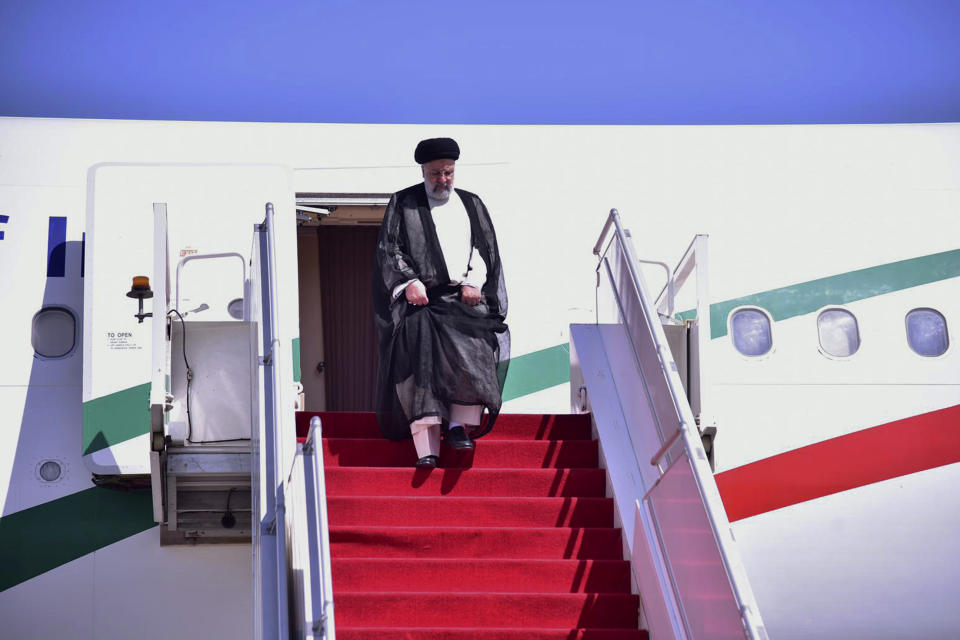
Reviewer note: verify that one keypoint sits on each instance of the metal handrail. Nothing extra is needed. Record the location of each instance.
(669, 286)
(276, 509)
(662, 451)
(663, 351)
(693, 447)
(680, 273)
(694, 261)
(208, 256)
(321, 583)
(603, 234)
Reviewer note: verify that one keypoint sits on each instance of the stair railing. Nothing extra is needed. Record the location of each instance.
(271, 616)
(213, 256)
(703, 583)
(695, 262)
(309, 542)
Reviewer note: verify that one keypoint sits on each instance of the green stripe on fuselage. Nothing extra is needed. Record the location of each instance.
(114, 418)
(125, 414)
(44, 537)
(537, 371)
(807, 297)
(296, 360)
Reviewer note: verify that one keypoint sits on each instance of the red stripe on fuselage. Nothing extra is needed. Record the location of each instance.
(879, 453)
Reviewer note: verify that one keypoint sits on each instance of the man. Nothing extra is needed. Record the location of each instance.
(440, 304)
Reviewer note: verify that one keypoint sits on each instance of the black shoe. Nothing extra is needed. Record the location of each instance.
(457, 438)
(428, 462)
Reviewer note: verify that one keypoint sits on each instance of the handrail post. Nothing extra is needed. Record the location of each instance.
(662, 451)
(704, 331)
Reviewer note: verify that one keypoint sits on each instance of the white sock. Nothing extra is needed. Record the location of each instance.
(454, 425)
(427, 441)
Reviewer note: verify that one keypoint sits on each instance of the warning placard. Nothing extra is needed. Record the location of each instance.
(122, 341)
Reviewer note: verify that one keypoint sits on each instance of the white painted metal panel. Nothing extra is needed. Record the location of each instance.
(865, 563)
(113, 594)
(221, 393)
(33, 419)
(210, 209)
(26, 288)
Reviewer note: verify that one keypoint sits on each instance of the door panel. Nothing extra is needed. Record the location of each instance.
(311, 320)
(345, 257)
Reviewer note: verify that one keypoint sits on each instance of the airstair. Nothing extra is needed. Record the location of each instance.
(640, 372)
(627, 479)
(525, 537)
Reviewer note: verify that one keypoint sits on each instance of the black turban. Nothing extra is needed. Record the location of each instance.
(436, 148)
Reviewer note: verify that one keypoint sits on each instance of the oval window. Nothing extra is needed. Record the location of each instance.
(839, 333)
(750, 329)
(54, 332)
(927, 332)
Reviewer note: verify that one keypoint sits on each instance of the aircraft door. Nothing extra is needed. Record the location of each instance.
(211, 209)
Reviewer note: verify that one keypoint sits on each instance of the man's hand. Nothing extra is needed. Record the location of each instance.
(416, 293)
(470, 295)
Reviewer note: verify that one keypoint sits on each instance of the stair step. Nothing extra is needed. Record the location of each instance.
(488, 610)
(488, 575)
(525, 454)
(511, 541)
(514, 426)
(477, 633)
(401, 481)
(447, 511)
(475, 542)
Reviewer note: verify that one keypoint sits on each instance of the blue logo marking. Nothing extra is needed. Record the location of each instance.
(3, 220)
(57, 247)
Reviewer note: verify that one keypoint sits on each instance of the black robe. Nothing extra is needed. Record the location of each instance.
(446, 351)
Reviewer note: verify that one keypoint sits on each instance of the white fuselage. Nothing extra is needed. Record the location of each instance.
(783, 206)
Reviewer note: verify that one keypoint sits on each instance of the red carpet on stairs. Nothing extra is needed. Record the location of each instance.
(512, 541)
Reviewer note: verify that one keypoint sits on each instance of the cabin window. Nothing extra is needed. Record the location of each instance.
(54, 332)
(839, 333)
(751, 331)
(927, 332)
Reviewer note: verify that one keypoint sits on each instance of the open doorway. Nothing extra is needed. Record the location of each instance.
(336, 238)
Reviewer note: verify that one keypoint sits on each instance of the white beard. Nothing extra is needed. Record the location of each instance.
(437, 192)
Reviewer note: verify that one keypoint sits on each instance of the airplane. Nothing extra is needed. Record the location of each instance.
(786, 295)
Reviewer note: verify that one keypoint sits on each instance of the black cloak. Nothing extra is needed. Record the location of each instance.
(445, 352)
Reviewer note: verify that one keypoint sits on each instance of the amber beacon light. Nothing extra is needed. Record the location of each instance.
(140, 289)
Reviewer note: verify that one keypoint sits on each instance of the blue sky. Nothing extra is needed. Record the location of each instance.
(491, 62)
